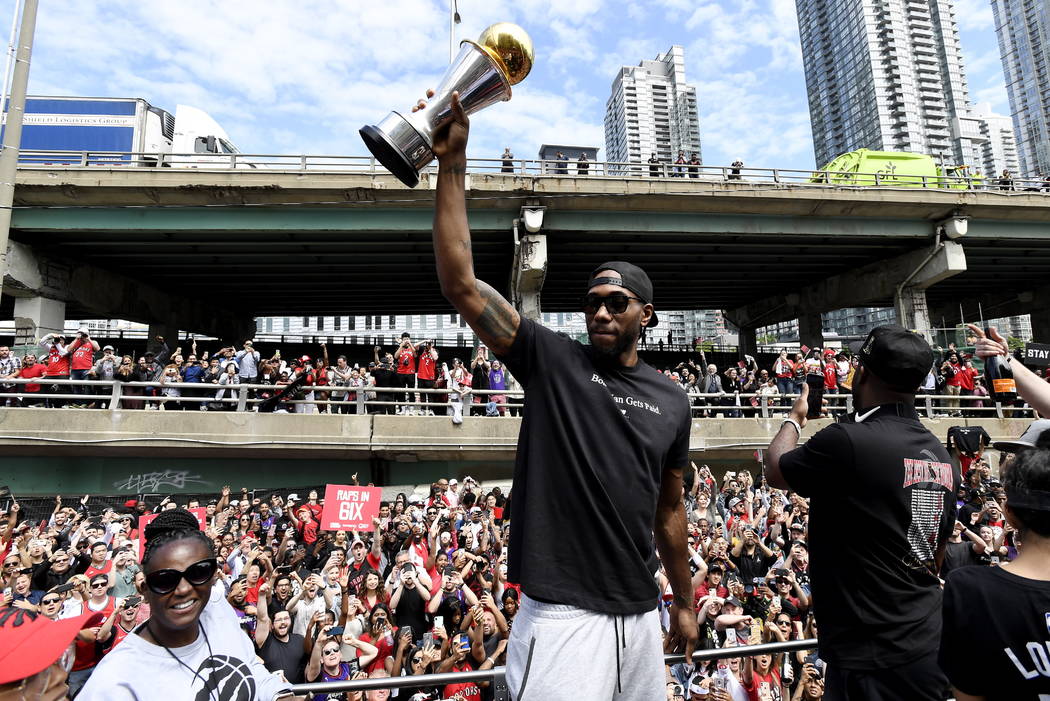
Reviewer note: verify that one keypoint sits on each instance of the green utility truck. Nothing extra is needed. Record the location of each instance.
(896, 169)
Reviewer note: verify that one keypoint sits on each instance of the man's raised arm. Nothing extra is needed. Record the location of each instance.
(491, 316)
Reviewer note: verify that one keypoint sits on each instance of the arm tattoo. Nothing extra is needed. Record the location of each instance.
(497, 317)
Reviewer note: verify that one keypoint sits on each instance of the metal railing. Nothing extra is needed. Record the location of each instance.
(115, 395)
(497, 675)
(527, 167)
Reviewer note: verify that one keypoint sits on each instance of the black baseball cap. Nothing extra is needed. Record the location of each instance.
(632, 278)
(900, 358)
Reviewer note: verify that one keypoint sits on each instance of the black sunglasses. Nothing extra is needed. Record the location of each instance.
(49, 601)
(616, 303)
(165, 581)
(330, 651)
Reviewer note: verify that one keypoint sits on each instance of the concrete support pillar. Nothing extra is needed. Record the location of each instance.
(811, 330)
(912, 312)
(36, 317)
(748, 342)
(530, 270)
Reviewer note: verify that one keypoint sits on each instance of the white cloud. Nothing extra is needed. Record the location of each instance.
(974, 14)
(303, 75)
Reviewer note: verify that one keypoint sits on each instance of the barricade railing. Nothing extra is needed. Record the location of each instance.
(529, 167)
(497, 675)
(238, 396)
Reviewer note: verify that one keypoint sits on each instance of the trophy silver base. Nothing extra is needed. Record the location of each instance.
(399, 147)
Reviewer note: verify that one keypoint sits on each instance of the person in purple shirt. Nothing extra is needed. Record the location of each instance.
(498, 382)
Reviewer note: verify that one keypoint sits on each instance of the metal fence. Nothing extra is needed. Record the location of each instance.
(526, 167)
(116, 395)
(497, 675)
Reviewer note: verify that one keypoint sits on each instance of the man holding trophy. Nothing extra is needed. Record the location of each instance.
(599, 463)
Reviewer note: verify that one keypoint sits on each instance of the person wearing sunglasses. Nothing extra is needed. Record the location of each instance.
(598, 421)
(118, 627)
(192, 646)
(51, 604)
(326, 662)
(87, 654)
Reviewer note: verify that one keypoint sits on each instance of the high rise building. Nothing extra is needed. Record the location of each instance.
(1022, 27)
(999, 147)
(652, 110)
(886, 75)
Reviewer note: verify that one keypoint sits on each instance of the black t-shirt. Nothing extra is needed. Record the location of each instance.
(751, 566)
(287, 656)
(479, 378)
(277, 604)
(594, 445)
(994, 642)
(383, 377)
(356, 574)
(412, 611)
(968, 439)
(883, 501)
(959, 555)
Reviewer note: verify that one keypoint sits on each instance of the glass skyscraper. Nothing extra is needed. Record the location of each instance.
(887, 75)
(1024, 46)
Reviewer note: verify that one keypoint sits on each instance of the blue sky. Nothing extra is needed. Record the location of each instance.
(302, 77)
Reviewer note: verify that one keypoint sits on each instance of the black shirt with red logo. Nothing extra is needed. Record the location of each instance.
(881, 474)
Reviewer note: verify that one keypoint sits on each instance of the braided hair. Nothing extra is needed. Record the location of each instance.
(169, 526)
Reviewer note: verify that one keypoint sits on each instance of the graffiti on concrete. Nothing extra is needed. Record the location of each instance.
(147, 482)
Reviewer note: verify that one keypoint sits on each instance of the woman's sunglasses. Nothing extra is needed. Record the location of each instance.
(165, 581)
(616, 303)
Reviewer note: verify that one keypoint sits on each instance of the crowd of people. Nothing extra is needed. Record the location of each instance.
(426, 590)
(390, 380)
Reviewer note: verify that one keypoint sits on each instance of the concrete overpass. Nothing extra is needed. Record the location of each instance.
(208, 250)
(69, 451)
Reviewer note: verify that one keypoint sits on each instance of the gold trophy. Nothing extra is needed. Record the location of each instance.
(482, 74)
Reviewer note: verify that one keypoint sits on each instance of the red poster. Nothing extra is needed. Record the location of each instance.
(349, 508)
(202, 520)
(805, 349)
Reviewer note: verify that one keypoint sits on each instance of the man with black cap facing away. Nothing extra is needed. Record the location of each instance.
(879, 469)
(598, 472)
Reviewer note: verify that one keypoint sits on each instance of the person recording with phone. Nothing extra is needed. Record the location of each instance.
(881, 470)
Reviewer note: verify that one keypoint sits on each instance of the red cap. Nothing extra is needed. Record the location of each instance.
(30, 643)
(131, 503)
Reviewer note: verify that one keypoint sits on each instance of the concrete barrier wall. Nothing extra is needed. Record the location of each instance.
(396, 438)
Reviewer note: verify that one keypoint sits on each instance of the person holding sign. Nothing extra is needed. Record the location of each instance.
(598, 472)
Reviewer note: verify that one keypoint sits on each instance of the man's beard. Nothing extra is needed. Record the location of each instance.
(624, 342)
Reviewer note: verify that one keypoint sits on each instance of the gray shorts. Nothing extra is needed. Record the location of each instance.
(566, 653)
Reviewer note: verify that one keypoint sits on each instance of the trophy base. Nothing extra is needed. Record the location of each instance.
(399, 147)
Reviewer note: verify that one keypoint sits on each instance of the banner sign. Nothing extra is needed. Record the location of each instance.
(1037, 353)
(202, 521)
(349, 508)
